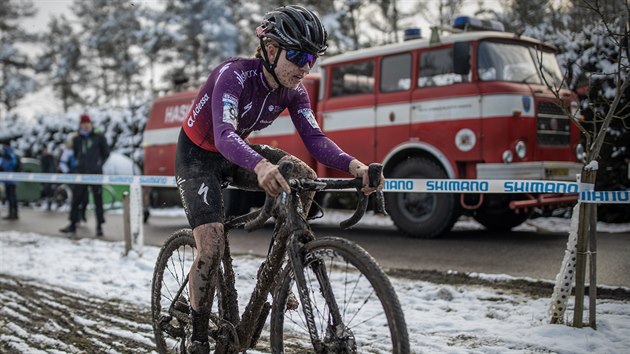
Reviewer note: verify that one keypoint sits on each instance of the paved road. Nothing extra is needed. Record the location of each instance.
(521, 254)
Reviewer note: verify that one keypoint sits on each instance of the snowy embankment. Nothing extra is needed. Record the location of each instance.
(440, 318)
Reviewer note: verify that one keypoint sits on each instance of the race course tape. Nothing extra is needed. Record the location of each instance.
(391, 185)
(149, 181)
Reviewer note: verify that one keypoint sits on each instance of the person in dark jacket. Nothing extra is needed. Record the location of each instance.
(91, 151)
(47, 161)
(9, 163)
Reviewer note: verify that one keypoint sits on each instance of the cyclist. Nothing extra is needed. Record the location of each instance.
(240, 96)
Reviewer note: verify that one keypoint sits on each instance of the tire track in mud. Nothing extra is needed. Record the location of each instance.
(38, 318)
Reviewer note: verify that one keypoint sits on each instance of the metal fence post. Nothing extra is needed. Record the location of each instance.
(126, 222)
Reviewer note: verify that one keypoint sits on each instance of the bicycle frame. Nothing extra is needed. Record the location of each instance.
(255, 312)
(291, 232)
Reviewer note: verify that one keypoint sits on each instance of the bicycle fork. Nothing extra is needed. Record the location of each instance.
(335, 328)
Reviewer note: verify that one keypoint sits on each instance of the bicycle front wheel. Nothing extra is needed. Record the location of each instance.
(169, 292)
(353, 306)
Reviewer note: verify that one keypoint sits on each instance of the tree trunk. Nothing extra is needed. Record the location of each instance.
(588, 177)
(592, 283)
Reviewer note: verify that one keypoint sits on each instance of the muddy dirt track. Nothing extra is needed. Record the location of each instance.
(36, 318)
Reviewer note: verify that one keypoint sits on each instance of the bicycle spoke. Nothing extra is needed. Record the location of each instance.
(170, 274)
(371, 318)
(315, 304)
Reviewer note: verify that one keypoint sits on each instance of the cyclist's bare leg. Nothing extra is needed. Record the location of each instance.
(202, 278)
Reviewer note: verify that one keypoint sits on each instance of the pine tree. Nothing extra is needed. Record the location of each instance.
(61, 61)
(156, 39)
(16, 78)
(110, 31)
(207, 35)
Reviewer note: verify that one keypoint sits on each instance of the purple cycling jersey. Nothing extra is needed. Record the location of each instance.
(236, 100)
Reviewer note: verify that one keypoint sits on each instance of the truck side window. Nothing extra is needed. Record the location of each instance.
(396, 73)
(352, 79)
(436, 69)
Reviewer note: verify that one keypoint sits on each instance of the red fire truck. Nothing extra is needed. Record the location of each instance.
(476, 104)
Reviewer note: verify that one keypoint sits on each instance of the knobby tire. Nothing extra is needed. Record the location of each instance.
(172, 266)
(362, 292)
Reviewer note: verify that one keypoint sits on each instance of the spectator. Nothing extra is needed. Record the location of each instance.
(67, 161)
(68, 164)
(9, 163)
(90, 150)
(47, 161)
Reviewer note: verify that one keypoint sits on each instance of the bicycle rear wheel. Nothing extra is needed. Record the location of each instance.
(339, 275)
(169, 276)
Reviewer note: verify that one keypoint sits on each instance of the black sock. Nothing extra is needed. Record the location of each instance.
(199, 326)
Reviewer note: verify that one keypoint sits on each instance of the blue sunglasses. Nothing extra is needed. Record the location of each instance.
(300, 58)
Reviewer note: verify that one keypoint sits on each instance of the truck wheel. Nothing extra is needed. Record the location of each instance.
(421, 215)
(495, 213)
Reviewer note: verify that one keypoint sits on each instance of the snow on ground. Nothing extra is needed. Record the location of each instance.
(440, 318)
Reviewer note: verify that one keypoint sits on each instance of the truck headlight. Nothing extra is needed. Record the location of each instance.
(508, 156)
(521, 149)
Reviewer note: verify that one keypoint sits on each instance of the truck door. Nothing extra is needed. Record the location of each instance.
(348, 110)
(446, 106)
(393, 109)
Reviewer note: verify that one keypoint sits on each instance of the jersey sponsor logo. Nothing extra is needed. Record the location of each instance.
(222, 70)
(274, 109)
(307, 113)
(197, 109)
(203, 191)
(244, 75)
(301, 90)
(238, 139)
(247, 108)
(180, 186)
(230, 109)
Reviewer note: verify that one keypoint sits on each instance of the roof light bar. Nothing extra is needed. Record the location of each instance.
(468, 23)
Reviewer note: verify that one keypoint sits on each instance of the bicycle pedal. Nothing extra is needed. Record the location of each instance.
(166, 326)
(292, 302)
(181, 305)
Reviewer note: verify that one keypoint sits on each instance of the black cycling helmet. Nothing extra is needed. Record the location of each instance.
(294, 27)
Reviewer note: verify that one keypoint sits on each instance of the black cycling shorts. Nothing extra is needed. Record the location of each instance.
(201, 174)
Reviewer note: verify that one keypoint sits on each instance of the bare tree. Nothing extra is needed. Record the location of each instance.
(613, 82)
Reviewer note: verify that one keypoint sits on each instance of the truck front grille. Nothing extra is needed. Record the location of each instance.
(552, 125)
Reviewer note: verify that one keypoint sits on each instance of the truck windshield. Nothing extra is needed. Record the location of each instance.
(517, 63)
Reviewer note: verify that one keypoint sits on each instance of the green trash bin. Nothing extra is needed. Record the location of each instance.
(112, 196)
(28, 192)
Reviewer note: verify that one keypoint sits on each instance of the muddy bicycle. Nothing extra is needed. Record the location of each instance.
(325, 295)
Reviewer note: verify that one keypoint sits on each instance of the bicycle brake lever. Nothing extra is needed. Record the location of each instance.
(374, 174)
(285, 168)
(375, 170)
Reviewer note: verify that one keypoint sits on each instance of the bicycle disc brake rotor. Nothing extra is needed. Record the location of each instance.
(340, 340)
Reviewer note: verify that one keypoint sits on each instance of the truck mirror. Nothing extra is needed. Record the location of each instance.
(461, 58)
